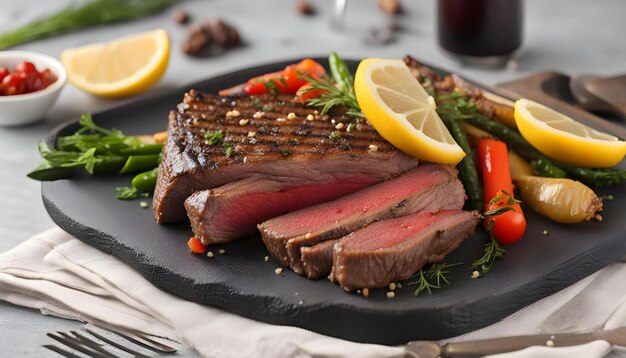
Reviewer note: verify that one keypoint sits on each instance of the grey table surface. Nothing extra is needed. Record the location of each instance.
(572, 37)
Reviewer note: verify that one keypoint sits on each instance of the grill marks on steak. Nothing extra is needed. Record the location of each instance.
(292, 151)
(394, 249)
(428, 187)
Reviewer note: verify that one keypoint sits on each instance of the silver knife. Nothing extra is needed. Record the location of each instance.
(430, 349)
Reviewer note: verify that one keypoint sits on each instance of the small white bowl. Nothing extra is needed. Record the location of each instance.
(30, 107)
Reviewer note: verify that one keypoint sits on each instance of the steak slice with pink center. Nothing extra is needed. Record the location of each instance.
(394, 249)
(429, 187)
(233, 211)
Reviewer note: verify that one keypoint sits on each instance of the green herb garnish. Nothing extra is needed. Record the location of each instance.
(492, 251)
(97, 150)
(335, 93)
(126, 193)
(433, 277)
(334, 135)
(74, 17)
(395, 207)
(212, 138)
(228, 150)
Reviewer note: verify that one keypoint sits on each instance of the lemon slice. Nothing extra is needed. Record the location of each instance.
(562, 138)
(122, 67)
(402, 112)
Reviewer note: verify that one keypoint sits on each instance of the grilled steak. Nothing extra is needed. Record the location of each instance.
(270, 137)
(394, 249)
(317, 260)
(233, 211)
(428, 187)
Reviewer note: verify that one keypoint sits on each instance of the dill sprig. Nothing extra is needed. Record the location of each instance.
(333, 96)
(72, 18)
(432, 278)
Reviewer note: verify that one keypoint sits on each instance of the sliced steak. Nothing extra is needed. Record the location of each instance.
(317, 260)
(270, 137)
(233, 211)
(394, 249)
(429, 187)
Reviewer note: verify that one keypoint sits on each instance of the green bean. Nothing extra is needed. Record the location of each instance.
(545, 166)
(136, 163)
(142, 149)
(340, 72)
(467, 168)
(46, 172)
(145, 182)
(108, 164)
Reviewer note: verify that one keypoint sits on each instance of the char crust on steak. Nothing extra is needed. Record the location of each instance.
(272, 139)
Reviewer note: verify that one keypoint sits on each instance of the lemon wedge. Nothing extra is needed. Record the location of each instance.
(562, 138)
(402, 112)
(122, 67)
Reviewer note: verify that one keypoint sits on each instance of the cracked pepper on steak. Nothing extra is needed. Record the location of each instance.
(284, 157)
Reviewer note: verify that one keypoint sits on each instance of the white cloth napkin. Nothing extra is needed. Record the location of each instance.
(61, 276)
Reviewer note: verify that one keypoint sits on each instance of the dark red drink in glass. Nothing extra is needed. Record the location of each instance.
(480, 31)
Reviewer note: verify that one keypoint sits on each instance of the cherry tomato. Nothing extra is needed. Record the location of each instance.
(289, 80)
(25, 79)
(310, 67)
(47, 77)
(13, 84)
(33, 82)
(3, 73)
(268, 83)
(26, 67)
(305, 93)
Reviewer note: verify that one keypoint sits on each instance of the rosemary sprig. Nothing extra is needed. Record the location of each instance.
(492, 251)
(333, 96)
(72, 18)
(432, 278)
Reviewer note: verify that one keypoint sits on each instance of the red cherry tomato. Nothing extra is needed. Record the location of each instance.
(3, 73)
(305, 93)
(286, 81)
(26, 67)
(47, 77)
(33, 81)
(25, 79)
(13, 84)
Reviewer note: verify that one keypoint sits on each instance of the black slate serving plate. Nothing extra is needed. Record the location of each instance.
(240, 281)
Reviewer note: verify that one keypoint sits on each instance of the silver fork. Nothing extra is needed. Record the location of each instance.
(95, 348)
